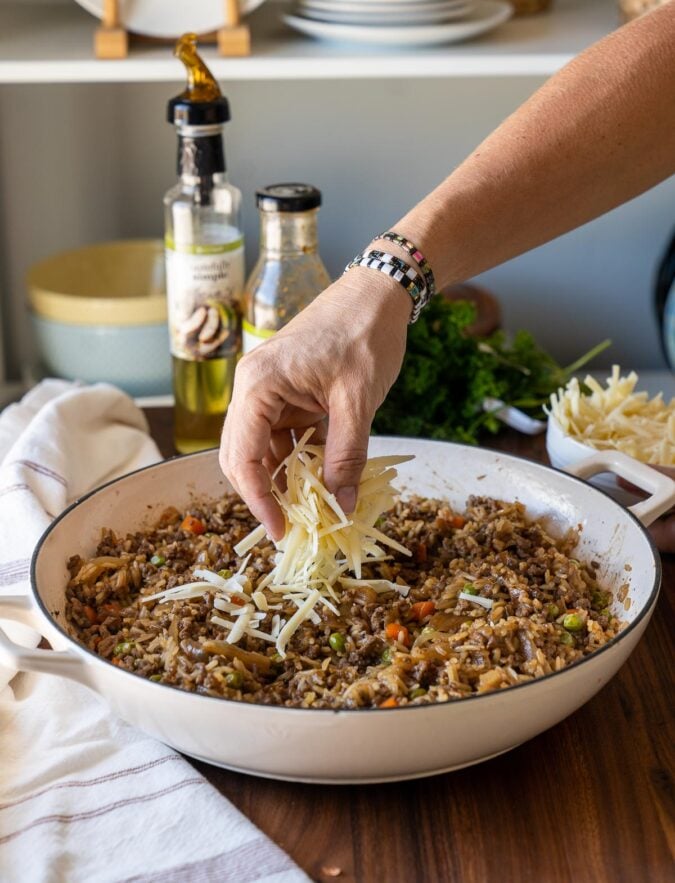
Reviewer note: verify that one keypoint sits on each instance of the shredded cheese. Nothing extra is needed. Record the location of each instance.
(616, 417)
(320, 545)
(476, 599)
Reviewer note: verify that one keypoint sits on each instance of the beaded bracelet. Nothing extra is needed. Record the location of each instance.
(416, 255)
(398, 270)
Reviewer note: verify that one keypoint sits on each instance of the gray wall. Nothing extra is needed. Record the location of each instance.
(86, 162)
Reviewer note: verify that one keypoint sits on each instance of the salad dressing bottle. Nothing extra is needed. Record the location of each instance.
(289, 272)
(204, 247)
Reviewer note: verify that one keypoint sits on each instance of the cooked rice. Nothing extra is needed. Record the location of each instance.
(457, 649)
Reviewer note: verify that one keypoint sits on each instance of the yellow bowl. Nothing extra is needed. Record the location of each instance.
(111, 283)
(99, 314)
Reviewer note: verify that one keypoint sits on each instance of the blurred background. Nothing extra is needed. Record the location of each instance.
(86, 155)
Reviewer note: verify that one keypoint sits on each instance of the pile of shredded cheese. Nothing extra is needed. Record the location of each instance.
(617, 417)
(320, 547)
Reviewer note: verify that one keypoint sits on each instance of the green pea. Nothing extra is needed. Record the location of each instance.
(235, 680)
(386, 656)
(337, 642)
(600, 599)
(553, 611)
(565, 638)
(469, 589)
(225, 573)
(573, 622)
(417, 692)
(158, 560)
(123, 648)
(155, 678)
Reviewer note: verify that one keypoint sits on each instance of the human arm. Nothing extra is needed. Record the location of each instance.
(598, 133)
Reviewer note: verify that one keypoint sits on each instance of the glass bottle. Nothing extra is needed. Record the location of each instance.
(204, 259)
(289, 273)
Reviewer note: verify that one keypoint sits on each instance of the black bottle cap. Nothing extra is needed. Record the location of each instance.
(288, 198)
(182, 111)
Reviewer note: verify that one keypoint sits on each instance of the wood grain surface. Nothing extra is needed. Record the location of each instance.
(588, 801)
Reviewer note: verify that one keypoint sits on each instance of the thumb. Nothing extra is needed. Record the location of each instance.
(346, 452)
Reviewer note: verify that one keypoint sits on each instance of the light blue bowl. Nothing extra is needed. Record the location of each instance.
(134, 357)
(99, 314)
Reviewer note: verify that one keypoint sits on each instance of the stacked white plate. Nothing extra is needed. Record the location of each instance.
(398, 22)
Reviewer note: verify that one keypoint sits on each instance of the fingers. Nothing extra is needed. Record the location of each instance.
(244, 445)
(346, 451)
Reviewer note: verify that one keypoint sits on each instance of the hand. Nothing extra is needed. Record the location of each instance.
(336, 360)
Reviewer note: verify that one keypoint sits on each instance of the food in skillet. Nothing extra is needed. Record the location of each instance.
(419, 604)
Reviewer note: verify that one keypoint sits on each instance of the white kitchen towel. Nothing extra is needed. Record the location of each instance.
(84, 796)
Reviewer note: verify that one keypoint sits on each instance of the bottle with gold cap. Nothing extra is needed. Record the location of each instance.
(204, 259)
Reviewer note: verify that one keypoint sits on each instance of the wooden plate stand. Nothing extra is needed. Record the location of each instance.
(111, 39)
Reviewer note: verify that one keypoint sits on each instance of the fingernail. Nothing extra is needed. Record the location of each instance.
(346, 497)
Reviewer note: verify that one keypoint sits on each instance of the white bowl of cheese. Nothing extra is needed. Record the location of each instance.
(610, 417)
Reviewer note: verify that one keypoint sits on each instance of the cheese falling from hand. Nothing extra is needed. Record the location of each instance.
(321, 544)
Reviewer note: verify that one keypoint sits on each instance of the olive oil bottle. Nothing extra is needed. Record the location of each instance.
(204, 259)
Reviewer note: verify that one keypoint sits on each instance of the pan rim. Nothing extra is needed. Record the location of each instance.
(493, 694)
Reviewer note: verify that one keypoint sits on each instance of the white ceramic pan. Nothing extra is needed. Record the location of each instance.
(356, 745)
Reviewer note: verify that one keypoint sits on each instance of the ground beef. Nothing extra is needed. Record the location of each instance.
(447, 650)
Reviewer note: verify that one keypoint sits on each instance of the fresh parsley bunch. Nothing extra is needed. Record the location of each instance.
(447, 374)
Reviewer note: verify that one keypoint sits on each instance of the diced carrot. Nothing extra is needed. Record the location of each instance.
(420, 553)
(91, 614)
(112, 608)
(392, 702)
(238, 601)
(458, 521)
(421, 609)
(116, 660)
(397, 632)
(194, 525)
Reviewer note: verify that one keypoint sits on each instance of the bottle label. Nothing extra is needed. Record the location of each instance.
(203, 286)
(252, 336)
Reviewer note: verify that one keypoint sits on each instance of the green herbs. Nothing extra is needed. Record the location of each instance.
(447, 375)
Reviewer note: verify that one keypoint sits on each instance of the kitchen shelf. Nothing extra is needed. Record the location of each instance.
(53, 44)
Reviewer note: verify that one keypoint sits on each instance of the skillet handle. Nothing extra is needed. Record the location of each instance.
(660, 486)
(54, 662)
(18, 608)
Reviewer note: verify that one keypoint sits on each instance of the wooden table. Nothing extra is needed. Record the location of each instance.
(592, 799)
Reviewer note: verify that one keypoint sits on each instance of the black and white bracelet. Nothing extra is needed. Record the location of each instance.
(416, 255)
(398, 270)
